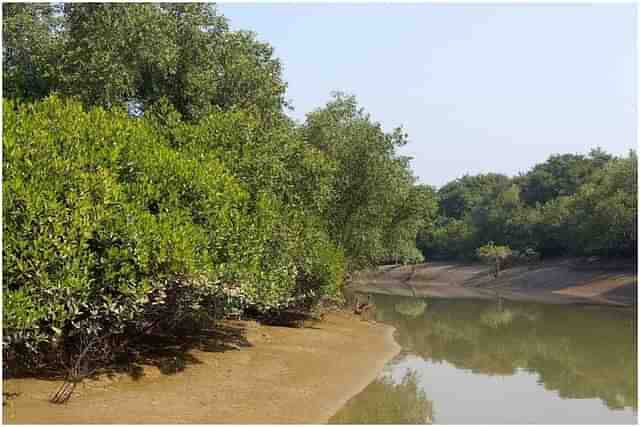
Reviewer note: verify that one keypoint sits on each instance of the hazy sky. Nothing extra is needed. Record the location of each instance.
(478, 88)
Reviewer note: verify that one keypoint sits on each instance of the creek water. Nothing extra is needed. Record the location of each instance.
(468, 361)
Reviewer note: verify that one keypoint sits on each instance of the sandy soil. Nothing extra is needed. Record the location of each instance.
(282, 375)
(559, 281)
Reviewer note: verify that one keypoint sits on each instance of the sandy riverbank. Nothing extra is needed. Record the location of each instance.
(563, 281)
(280, 375)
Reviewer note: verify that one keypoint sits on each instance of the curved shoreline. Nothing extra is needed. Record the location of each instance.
(550, 282)
(392, 349)
(285, 375)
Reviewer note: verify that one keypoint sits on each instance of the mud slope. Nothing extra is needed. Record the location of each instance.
(558, 281)
(283, 375)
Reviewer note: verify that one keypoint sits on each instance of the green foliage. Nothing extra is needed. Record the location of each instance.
(112, 54)
(448, 238)
(251, 75)
(462, 195)
(115, 52)
(415, 210)
(560, 175)
(210, 203)
(375, 211)
(571, 204)
(32, 50)
(494, 255)
(110, 225)
(605, 210)
(554, 226)
(491, 252)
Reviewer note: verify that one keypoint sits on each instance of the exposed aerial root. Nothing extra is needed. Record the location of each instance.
(64, 392)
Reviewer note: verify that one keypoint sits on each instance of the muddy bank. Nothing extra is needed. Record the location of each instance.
(556, 282)
(280, 375)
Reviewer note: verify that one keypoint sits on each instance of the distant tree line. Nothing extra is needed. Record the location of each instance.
(572, 204)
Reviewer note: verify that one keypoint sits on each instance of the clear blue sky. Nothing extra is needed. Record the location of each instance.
(478, 88)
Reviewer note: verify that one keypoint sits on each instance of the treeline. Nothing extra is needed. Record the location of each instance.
(153, 181)
(572, 204)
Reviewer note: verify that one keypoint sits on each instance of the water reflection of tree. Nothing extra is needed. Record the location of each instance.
(582, 352)
(386, 402)
(411, 307)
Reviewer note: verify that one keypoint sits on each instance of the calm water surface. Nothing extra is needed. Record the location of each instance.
(484, 362)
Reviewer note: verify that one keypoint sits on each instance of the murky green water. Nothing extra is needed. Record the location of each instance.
(481, 362)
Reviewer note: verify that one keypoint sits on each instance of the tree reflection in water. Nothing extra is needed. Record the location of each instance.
(579, 351)
(411, 307)
(388, 402)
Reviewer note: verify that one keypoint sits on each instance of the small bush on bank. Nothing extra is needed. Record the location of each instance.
(494, 255)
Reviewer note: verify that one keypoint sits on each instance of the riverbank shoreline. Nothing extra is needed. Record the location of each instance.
(281, 376)
(562, 281)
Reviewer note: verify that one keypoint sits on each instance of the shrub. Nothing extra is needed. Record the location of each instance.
(112, 226)
(494, 255)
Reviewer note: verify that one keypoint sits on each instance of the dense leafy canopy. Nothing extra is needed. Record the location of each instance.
(108, 225)
(31, 50)
(110, 54)
(374, 206)
(560, 175)
(151, 178)
(568, 205)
